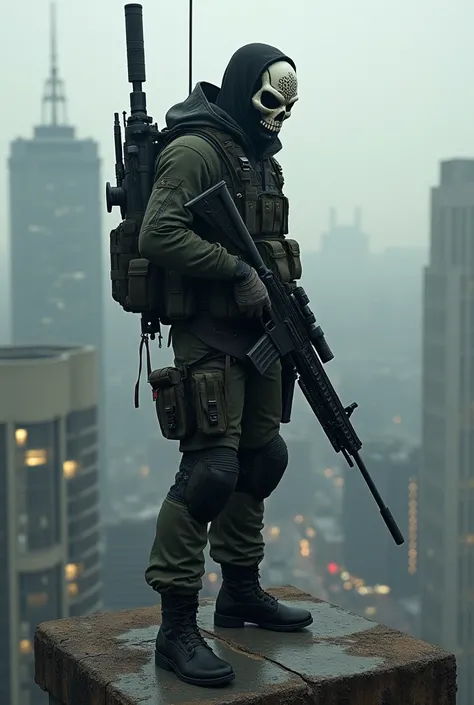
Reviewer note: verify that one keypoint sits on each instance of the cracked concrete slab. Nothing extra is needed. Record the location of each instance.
(108, 659)
(346, 658)
(342, 659)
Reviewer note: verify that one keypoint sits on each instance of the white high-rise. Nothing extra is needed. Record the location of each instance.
(447, 473)
(50, 562)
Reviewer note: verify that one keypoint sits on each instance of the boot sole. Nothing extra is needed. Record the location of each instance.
(164, 663)
(222, 620)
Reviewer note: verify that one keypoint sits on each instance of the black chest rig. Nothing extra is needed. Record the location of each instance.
(257, 190)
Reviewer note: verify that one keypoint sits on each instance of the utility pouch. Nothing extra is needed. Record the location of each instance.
(276, 257)
(172, 408)
(210, 402)
(144, 286)
(136, 283)
(123, 248)
(179, 299)
(294, 259)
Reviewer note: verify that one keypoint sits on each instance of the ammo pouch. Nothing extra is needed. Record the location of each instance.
(172, 408)
(136, 282)
(282, 256)
(210, 404)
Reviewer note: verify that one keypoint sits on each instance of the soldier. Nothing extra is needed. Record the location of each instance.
(236, 457)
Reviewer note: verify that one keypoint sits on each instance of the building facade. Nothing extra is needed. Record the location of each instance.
(447, 476)
(49, 501)
(55, 235)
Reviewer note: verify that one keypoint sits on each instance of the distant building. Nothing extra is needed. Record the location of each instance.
(56, 233)
(370, 554)
(345, 242)
(447, 474)
(49, 512)
(128, 541)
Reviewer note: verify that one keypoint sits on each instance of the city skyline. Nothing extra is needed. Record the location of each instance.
(370, 133)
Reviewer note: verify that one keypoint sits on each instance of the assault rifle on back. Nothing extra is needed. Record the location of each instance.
(291, 334)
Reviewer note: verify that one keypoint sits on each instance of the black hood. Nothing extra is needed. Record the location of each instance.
(230, 109)
(240, 83)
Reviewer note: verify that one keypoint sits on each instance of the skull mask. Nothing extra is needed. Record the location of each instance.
(276, 95)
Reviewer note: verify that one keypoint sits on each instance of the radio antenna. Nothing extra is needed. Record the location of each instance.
(190, 47)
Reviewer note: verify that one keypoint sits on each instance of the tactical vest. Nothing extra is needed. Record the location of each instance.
(258, 193)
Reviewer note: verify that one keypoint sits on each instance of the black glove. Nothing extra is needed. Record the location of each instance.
(250, 293)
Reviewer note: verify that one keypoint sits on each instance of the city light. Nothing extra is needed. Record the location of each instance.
(305, 549)
(145, 470)
(212, 577)
(26, 647)
(275, 531)
(37, 599)
(36, 457)
(21, 436)
(71, 571)
(352, 581)
(72, 589)
(339, 482)
(397, 420)
(310, 532)
(412, 526)
(299, 519)
(329, 472)
(69, 469)
(370, 611)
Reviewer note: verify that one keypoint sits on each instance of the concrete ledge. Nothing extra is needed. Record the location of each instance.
(342, 659)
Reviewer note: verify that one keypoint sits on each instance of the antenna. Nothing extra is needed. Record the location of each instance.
(190, 47)
(54, 87)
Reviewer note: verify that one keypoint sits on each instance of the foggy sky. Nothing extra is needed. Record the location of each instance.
(386, 90)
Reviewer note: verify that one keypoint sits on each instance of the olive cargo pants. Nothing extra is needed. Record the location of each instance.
(253, 405)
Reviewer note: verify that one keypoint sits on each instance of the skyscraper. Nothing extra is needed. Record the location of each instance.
(447, 473)
(55, 231)
(49, 512)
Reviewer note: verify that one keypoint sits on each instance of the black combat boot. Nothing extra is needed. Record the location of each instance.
(241, 599)
(181, 648)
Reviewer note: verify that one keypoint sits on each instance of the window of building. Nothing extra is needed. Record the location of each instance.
(70, 468)
(26, 646)
(40, 596)
(38, 484)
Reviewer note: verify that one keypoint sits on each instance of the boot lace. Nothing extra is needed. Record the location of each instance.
(188, 630)
(262, 594)
(259, 592)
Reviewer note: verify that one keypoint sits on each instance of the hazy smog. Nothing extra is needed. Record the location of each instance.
(378, 162)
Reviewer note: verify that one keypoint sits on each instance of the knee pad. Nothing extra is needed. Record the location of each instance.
(205, 481)
(262, 469)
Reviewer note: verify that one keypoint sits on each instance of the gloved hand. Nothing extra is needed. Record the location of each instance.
(250, 293)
